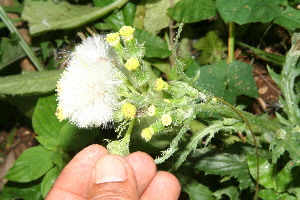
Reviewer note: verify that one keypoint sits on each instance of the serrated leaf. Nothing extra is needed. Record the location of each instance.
(224, 163)
(49, 180)
(247, 11)
(190, 11)
(154, 45)
(31, 165)
(231, 191)
(25, 191)
(156, 17)
(29, 83)
(225, 81)
(266, 171)
(192, 187)
(48, 15)
(11, 52)
(52, 133)
(290, 18)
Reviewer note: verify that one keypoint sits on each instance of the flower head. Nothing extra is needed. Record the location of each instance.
(88, 89)
(127, 32)
(160, 85)
(132, 64)
(129, 110)
(166, 119)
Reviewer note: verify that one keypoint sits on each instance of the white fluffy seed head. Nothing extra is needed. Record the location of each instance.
(88, 89)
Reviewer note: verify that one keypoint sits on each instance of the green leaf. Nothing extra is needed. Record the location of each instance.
(290, 18)
(247, 11)
(29, 83)
(231, 191)
(49, 180)
(285, 177)
(156, 17)
(267, 194)
(211, 46)
(25, 191)
(193, 188)
(53, 134)
(225, 81)
(48, 15)
(31, 165)
(190, 11)
(266, 171)
(11, 52)
(116, 20)
(232, 162)
(154, 45)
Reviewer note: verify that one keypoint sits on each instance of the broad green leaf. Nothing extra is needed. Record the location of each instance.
(31, 165)
(10, 51)
(266, 171)
(285, 177)
(247, 11)
(211, 46)
(268, 194)
(29, 83)
(116, 20)
(225, 81)
(52, 133)
(225, 163)
(192, 187)
(49, 15)
(156, 17)
(24, 191)
(190, 11)
(154, 45)
(49, 180)
(290, 18)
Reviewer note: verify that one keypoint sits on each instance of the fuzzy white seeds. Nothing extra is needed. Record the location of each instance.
(87, 90)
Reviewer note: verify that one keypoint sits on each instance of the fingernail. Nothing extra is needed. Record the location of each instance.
(110, 169)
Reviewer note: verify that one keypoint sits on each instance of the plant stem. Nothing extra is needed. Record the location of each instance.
(254, 140)
(22, 42)
(230, 42)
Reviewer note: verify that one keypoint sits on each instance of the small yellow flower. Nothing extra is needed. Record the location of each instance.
(127, 32)
(166, 119)
(167, 100)
(147, 133)
(151, 110)
(160, 85)
(132, 64)
(60, 114)
(113, 39)
(129, 110)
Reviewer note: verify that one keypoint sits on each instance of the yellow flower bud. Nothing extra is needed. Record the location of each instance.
(129, 110)
(147, 133)
(151, 110)
(127, 32)
(167, 100)
(113, 39)
(160, 85)
(60, 114)
(132, 64)
(166, 119)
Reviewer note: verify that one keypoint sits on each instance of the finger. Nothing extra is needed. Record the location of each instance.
(144, 169)
(73, 181)
(113, 178)
(164, 186)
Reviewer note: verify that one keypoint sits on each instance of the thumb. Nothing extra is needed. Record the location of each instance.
(113, 178)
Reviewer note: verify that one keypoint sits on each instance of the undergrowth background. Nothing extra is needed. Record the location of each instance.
(231, 43)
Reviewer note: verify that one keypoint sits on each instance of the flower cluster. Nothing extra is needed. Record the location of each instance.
(106, 81)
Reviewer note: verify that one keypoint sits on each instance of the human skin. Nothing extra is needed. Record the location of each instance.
(95, 174)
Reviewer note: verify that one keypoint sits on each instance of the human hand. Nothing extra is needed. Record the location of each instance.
(95, 174)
